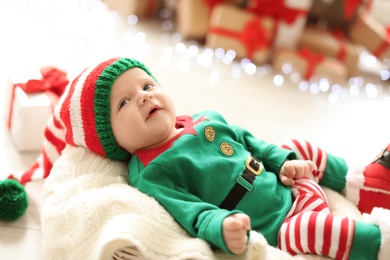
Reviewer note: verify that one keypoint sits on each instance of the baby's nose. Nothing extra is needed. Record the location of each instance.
(144, 97)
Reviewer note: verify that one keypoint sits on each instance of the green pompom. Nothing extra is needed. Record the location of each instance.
(13, 200)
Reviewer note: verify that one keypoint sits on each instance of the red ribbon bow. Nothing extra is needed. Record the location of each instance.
(53, 80)
(312, 59)
(53, 83)
(276, 9)
(253, 36)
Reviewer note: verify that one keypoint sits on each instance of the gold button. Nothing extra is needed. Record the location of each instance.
(209, 133)
(227, 149)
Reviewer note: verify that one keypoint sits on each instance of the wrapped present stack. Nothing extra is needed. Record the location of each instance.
(318, 38)
(353, 18)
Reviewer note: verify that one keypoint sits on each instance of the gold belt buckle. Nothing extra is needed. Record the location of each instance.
(249, 167)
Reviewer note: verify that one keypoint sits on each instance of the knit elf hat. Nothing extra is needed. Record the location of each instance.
(81, 118)
(85, 108)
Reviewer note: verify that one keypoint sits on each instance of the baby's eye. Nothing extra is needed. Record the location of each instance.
(148, 86)
(123, 102)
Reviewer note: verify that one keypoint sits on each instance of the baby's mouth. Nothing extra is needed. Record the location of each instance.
(153, 111)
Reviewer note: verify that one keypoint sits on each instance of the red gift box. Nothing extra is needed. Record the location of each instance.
(29, 106)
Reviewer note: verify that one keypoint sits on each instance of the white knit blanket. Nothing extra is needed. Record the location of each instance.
(90, 212)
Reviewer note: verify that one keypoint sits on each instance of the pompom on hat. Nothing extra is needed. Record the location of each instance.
(85, 108)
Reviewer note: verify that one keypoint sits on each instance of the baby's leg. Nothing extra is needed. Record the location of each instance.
(327, 235)
(310, 228)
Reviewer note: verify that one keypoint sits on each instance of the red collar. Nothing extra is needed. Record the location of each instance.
(186, 122)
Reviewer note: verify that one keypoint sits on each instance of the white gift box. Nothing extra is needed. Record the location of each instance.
(380, 11)
(288, 35)
(290, 18)
(27, 117)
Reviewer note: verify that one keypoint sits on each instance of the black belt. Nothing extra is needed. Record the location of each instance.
(243, 183)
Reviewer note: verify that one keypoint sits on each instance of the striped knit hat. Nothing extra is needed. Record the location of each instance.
(85, 108)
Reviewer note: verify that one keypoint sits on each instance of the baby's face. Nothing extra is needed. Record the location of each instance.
(142, 114)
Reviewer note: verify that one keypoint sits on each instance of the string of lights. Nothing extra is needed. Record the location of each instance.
(174, 51)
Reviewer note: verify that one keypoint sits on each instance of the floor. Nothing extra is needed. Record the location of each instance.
(74, 33)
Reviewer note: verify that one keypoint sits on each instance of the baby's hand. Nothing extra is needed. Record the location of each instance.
(295, 169)
(234, 229)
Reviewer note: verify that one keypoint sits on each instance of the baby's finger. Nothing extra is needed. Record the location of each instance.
(312, 166)
(245, 220)
(286, 180)
(289, 170)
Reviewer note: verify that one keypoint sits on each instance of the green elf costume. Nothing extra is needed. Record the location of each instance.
(211, 170)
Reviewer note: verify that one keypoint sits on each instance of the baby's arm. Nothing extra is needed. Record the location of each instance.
(235, 232)
(295, 169)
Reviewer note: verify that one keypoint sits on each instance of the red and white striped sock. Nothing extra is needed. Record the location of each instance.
(310, 228)
(317, 233)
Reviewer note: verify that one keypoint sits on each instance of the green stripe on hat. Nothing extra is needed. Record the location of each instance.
(102, 106)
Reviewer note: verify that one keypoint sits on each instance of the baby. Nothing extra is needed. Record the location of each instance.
(217, 180)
